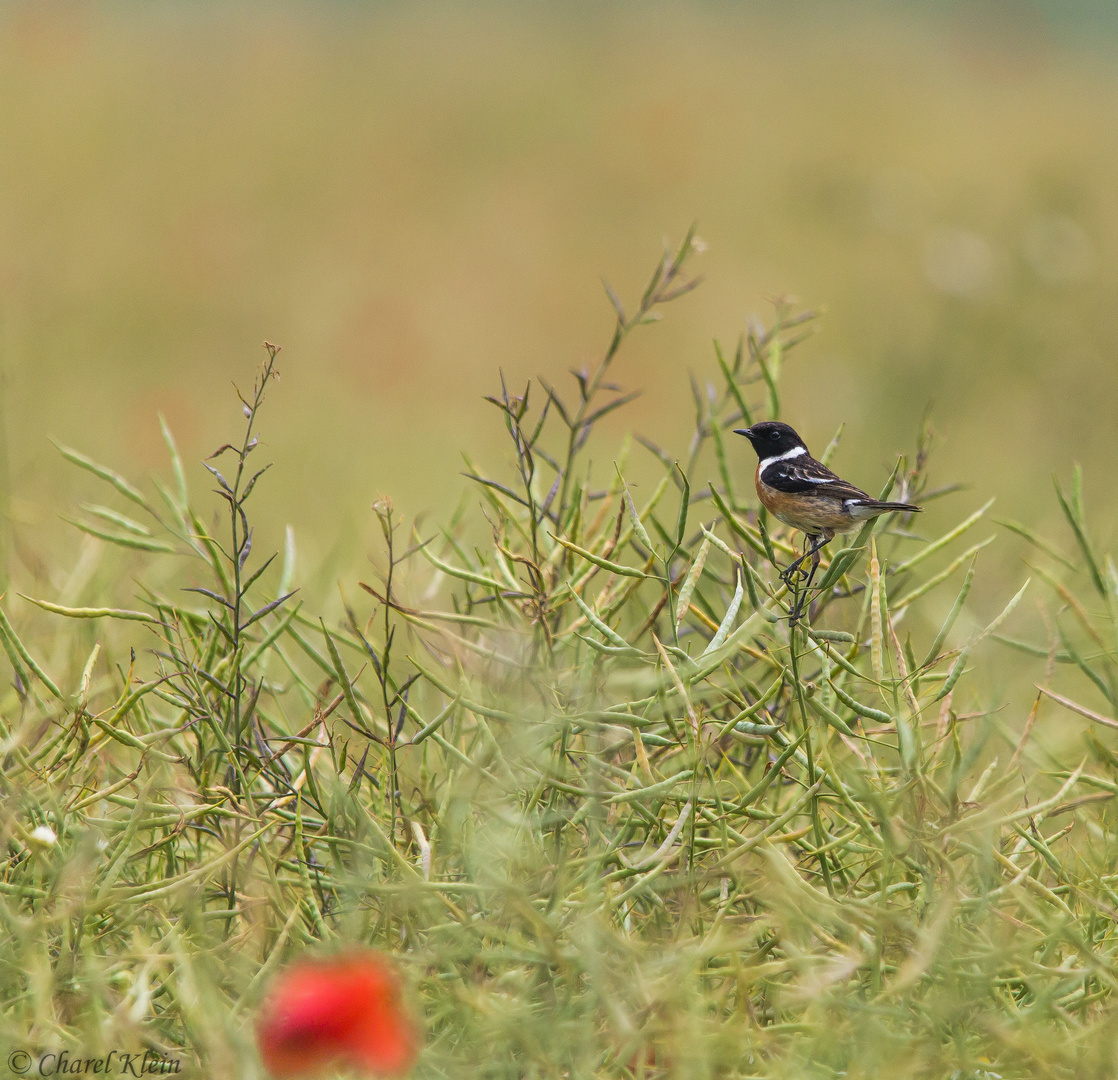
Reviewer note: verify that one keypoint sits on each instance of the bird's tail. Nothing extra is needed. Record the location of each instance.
(863, 509)
(903, 508)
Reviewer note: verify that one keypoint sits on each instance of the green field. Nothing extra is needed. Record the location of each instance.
(562, 755)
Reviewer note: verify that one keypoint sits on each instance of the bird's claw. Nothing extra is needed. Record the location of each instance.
(789, 574)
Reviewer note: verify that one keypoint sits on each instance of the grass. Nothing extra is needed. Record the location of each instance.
(612, 813)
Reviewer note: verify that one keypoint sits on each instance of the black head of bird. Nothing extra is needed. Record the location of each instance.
(771, 438)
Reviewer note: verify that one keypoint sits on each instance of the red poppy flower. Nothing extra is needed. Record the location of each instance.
(343, 1010)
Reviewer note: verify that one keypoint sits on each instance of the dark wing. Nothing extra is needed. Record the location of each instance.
(805, 476)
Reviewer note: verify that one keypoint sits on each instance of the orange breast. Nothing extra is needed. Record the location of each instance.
(813, 514)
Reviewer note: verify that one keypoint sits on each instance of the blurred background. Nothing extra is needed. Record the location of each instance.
(410, 198)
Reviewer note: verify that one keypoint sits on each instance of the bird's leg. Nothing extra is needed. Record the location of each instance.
(814, 553)
(818, 544)
(809, 551)
(791, 576)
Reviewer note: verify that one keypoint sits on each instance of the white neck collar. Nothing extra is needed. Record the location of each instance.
(796, 451)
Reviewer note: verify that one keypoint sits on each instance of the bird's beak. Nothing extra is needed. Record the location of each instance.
(747, 432)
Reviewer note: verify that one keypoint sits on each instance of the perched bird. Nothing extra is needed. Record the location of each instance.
(804, 493)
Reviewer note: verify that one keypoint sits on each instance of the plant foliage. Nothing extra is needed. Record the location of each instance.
(615, 815)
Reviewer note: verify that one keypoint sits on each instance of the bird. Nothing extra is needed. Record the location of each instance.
(804, 493)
